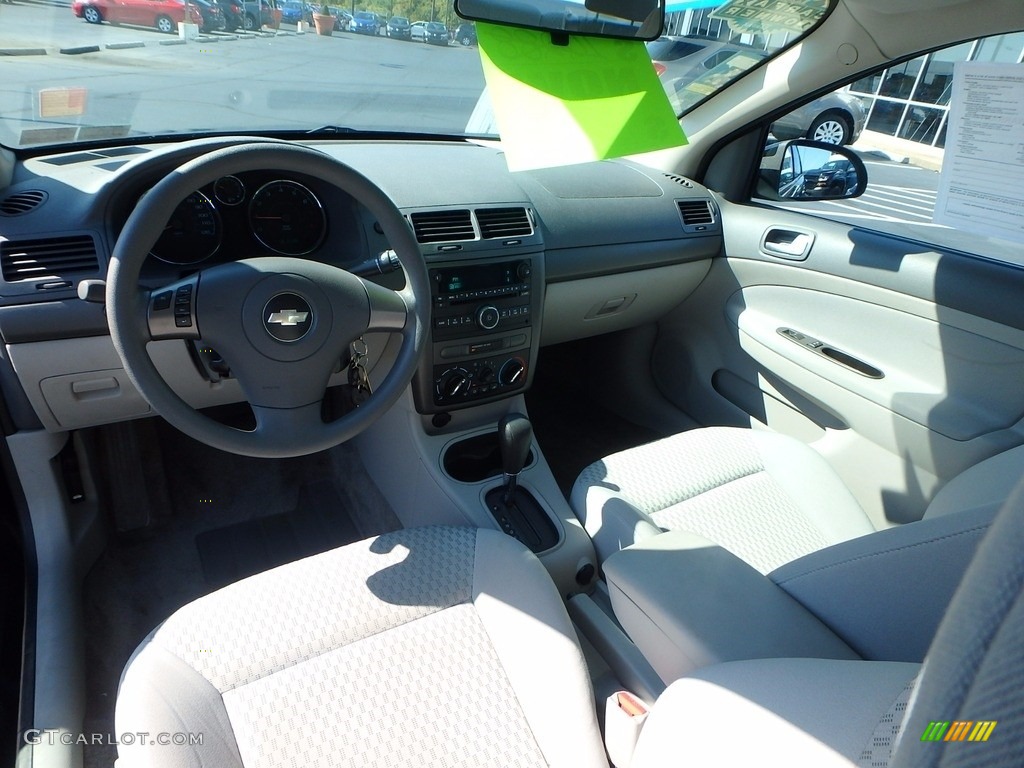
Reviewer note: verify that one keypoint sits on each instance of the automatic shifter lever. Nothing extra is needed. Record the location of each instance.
(515, 434)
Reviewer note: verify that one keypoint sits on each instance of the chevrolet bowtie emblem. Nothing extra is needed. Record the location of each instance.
(288, 317)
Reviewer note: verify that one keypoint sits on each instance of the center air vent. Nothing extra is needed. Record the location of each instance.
(696, 212)
(22, 202)
(443, 226)
(503, 222)
(48, 258)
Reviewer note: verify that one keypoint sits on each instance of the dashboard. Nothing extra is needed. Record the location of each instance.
(518, 260)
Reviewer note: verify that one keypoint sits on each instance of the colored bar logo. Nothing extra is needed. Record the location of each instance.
(959, 730)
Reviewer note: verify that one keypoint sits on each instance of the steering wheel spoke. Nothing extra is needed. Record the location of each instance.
(171, 312)
(389, 310)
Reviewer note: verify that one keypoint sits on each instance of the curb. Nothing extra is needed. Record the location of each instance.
(22, 51)
(124, 46)
(80, 49)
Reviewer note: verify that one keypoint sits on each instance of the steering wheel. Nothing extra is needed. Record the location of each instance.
(282, 324)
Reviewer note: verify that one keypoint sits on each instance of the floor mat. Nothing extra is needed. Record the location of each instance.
(573, 429)
(320, 522)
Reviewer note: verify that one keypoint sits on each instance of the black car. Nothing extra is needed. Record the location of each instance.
(836, 177)
(234, 14)
(213, 16)
(399, 28)
(436, 33)
(465, 34)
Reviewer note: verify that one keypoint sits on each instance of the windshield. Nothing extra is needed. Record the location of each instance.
(102, 70)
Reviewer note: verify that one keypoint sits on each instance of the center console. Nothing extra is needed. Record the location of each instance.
(486, 302)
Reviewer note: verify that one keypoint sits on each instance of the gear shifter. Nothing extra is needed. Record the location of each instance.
(513, 507)
(515, 434)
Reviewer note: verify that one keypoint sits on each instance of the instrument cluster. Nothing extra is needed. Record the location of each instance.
(243, 215)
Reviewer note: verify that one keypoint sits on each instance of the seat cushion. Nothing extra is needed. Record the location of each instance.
(427, 647)
(779, 712)
(765, 497)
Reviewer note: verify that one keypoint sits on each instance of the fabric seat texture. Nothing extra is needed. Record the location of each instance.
(424, 647)
(767, 498)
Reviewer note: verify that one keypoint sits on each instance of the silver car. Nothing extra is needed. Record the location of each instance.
(689, 68)
(835, 118)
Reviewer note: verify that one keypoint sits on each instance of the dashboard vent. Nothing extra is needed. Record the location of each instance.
(52, 257)
(503, 222)
(696, 212)
(443, 226)
(681, 181)
(22, 202)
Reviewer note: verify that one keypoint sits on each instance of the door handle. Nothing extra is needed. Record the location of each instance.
(787, 243)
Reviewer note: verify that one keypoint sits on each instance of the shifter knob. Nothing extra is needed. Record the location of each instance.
(515, 433)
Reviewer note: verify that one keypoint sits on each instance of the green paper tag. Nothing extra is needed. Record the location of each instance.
(592, 99)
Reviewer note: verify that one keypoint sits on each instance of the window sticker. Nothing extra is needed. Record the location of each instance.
(593, 99)
(979, 187)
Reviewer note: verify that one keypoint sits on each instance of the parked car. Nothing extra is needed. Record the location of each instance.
(435, 33)
(342, 19)
(418, 30)
(398, 27)
(834, 178)
(689, 68)
(234, 14)
(835, 118)
(165, 15)
(465, 34)
(364, 23)
(257, 14)
(293, 11)
(213, 16)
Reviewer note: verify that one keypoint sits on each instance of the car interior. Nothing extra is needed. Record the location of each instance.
(316, 456)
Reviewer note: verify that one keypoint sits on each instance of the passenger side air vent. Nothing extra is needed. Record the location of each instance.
(503, 222)
(680, 180)
(695, 212)
(443, 226)
(22, 202)
(52, 257)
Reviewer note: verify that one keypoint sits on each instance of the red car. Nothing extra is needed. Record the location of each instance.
(165, 15)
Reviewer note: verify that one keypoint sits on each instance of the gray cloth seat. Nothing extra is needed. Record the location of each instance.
(424, 647)
(451, 647)
(767, 498)
(790, 713)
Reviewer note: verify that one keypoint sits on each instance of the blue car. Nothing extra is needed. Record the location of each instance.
(294, 11)
(364, 23)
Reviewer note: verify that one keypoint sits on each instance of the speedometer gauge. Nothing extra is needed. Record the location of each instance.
(192, 233)
(286, 217)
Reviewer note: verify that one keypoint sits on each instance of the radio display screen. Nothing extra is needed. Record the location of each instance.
(476, 277)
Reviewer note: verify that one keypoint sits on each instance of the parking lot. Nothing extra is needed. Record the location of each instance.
(306, 81)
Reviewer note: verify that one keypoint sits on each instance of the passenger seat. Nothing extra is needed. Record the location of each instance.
(767, 498)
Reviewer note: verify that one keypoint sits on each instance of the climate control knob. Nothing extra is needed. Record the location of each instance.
(453, 383)
(512, 373)
(487, 317)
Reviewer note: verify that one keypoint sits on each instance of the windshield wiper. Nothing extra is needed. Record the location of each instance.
(333, 129)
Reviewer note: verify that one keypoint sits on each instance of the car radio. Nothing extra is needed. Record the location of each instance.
(482, 335)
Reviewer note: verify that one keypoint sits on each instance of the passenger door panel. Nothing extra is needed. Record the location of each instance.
(774, 340)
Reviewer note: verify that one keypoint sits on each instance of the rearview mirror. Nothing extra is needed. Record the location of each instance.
(810, 170)
(632, 19)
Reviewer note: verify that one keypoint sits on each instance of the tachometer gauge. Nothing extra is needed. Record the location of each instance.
(286, 217)
(192, 234)
(229, 190)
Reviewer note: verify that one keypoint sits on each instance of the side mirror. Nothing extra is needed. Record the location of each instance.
(810, 170)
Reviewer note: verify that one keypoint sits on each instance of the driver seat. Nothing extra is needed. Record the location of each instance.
(426, 647)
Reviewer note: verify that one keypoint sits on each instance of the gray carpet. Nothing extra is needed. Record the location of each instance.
(144, 576)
